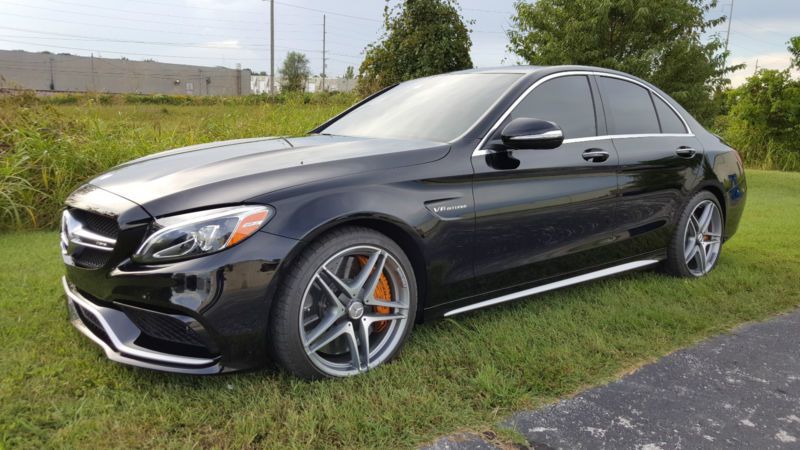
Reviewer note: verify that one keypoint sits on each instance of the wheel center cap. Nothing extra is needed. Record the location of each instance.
(355, 310)
(700, 238)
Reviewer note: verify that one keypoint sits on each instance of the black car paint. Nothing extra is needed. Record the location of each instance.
(474, 226)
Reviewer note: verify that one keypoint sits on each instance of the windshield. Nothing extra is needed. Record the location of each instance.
(438, 108)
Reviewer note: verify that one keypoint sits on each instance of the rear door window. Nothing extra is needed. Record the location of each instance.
(567, 101)
(670, 122)
(629, 108)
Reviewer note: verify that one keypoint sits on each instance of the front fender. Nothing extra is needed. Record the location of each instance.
(438, 241)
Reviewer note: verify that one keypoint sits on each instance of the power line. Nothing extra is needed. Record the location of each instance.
(132, 19)
(169, 44)
(126, 53)
(349, 16)
(122, 27)
(150, 13)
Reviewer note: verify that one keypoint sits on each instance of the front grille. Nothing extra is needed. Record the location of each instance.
(83, 246)
(102, 225)
(164, 327)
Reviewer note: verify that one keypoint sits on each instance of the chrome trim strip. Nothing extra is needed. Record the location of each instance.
(123, 344)
(625, 136)
(488, 151)
(80, 235)
(72, 231)
(479, 148)
(555, 285)
(539, 137)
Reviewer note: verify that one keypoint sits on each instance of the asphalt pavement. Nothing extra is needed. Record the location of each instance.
(737, 390)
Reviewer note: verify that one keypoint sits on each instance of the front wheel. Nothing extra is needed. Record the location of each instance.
(697, 242)
(346, 306)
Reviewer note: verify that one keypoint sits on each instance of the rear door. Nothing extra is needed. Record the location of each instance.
(543, 213)
(659, 159)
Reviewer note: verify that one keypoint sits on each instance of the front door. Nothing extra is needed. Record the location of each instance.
(546, 213)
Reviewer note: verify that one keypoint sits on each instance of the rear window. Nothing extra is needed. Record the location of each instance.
(629, 108)
(670, 122)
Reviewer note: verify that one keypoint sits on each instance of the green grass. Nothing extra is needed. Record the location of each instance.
(58, 390)
(50, 146)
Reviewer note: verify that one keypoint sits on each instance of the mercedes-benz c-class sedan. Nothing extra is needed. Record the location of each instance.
(431, 198)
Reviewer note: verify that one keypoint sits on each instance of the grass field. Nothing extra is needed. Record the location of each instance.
(57, 390)
(50, 146)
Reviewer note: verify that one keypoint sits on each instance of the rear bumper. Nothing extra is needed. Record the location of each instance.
(116, 334)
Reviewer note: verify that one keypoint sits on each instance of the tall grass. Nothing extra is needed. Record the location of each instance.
(759, 147)
(51, 145)
(13, 187)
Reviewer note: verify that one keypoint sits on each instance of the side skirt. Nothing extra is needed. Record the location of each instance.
(555, 285)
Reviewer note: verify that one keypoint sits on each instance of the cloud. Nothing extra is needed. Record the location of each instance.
(776, 61)
(229, 43)
(786, 26)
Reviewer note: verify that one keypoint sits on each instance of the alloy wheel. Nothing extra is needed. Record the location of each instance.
(703, 238)
(354, 311)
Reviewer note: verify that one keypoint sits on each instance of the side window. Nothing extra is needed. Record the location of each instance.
(670, 122)
(566, 101)
(628, 107)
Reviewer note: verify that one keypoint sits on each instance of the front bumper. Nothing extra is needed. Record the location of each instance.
(201, 316)
(116, 334)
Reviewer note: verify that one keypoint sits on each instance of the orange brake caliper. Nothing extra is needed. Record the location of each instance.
(382, 292)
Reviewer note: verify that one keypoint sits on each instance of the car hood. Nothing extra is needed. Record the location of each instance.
(233, 171)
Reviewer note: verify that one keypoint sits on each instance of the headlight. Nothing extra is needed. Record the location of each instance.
(201, 233)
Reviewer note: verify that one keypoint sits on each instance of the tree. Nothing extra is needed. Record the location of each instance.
(764, 119)
(794, 49)
(422, 38)
(294, 72)
(659, 41)
(349, 73)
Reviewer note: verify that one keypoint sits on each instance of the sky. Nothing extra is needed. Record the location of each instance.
(230, 32)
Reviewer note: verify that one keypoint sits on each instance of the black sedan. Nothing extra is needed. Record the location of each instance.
(432, 198)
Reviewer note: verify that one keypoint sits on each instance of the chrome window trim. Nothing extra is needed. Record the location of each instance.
(486, 151)
(555, 285)
(480, 151)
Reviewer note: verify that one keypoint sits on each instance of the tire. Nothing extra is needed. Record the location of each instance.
(332, 290)
(697, 242)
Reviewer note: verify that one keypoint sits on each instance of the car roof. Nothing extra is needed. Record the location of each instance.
(523, 69)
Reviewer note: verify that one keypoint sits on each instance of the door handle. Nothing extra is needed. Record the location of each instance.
(595, 155)
(685, 152)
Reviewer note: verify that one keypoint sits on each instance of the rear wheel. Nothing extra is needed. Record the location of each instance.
(346, 306)
(697, 243)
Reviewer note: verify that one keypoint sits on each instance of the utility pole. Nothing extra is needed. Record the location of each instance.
(94, 86)
(324, 62)
(728, 34)
(271, 47)
(52, 79)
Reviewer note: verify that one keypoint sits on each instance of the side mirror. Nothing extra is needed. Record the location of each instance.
(523, 133)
